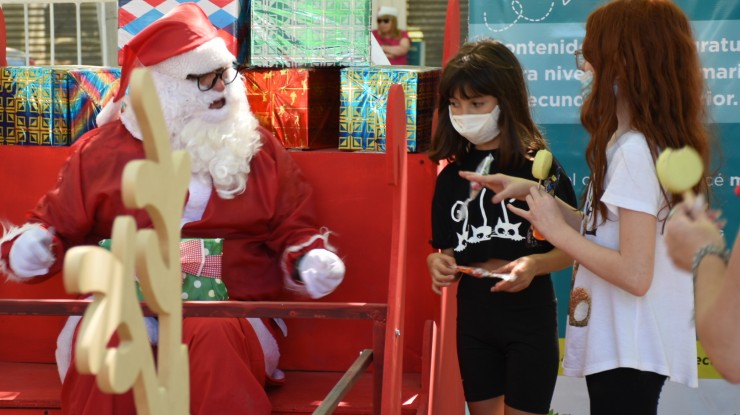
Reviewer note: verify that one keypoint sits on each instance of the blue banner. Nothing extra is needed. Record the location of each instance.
(544, 35)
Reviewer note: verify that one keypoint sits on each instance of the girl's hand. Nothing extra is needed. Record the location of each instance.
(690, 227)
(522, 271)
(442, 269)
(544, 213)
(504, 187)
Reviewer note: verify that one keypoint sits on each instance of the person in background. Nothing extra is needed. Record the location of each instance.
(695, 243)
(395, 43)
(630, 317)
(245, 189)
(507, 337)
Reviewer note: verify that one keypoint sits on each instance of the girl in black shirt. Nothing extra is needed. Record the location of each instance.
(507, 328)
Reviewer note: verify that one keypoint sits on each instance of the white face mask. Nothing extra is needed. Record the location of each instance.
(477, 128)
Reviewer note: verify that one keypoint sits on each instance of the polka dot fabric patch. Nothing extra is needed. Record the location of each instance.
(201, 266)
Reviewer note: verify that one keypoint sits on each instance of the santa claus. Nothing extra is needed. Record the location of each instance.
(245, 188)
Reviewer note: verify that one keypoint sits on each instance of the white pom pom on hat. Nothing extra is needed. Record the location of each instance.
(388, 11)
(180, 43)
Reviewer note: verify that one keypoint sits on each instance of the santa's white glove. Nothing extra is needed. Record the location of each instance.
(31, 253)
(321, 271)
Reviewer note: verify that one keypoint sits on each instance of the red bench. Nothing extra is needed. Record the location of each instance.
(356, 202)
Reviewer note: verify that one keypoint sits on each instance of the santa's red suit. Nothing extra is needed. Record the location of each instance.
(245, 189)
(274, 213)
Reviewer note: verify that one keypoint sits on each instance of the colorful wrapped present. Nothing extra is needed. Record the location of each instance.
(300, 106)
(135, 15)
(201, 270)
(51, 106)
(294, 33)
(362, 108)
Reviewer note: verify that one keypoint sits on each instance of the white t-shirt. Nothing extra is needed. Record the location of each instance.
(609, 328)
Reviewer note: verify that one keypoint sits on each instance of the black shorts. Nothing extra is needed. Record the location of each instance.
(607, 391)
(508, 350)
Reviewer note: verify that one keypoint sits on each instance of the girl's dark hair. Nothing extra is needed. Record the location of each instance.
(487, 67)
(645, 49)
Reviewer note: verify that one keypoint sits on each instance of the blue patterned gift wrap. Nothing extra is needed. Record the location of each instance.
(51, 106)
(363, 103)
(309, 33)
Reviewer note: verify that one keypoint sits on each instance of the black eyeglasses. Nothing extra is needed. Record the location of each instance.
(384, 20)
(580, 59)
(207, 81)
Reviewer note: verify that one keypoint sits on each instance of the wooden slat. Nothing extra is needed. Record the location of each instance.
(31, 388)
(427, 351)
(349, 378)
(398, 177)
(268, 309)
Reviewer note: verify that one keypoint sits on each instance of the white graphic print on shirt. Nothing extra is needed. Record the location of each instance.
(470, 233)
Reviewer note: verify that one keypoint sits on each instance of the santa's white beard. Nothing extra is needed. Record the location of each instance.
(221, 142)
(221, 152)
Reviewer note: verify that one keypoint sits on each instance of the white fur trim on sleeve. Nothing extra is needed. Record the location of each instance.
(290, 283)
(11, 232)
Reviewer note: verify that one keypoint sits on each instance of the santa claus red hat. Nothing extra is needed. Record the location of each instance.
(180, 43)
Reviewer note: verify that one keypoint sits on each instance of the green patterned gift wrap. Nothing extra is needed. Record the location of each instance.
(308, 33)
(201, 270)
(51, 106)
(362, 109)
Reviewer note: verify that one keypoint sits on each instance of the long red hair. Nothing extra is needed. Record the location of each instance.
(645, 49)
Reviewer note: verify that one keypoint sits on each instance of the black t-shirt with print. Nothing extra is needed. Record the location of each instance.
(488, 230)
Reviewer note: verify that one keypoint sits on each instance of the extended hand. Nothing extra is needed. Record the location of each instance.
(544, 213)
(504, 187)
(690, 227)
(522, 271)
(321, 271)
(31, 253)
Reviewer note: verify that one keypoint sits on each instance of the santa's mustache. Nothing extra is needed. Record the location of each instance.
(221, 152)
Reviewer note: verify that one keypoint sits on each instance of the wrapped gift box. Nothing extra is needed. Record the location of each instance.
(296, 33)
(300, 106)
(51, 106)
(135, 15)
(362, 107)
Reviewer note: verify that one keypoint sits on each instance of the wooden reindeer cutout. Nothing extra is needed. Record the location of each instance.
(157, 184)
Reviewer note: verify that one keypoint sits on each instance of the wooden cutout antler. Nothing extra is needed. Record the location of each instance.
(157, 184)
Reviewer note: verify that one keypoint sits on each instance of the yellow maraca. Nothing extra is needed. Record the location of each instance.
(541, 170)
(679, 170)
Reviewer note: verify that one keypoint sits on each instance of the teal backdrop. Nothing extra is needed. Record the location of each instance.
(544, 35)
